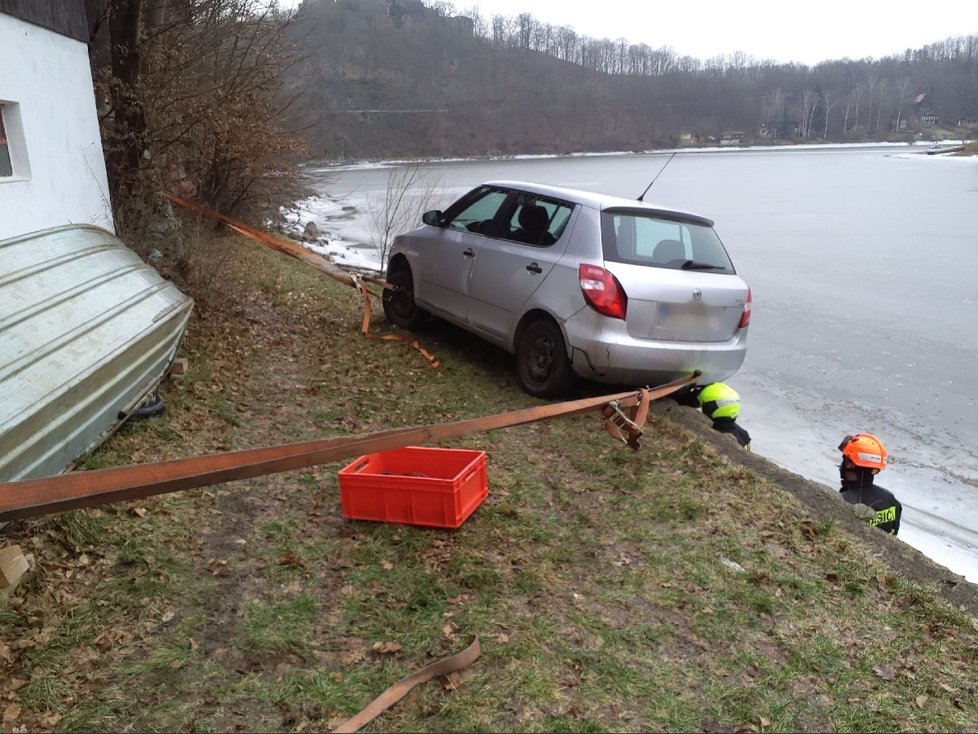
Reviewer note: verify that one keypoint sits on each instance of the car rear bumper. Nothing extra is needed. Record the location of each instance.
(610, 355)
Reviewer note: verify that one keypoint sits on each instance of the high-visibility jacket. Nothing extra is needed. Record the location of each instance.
(880, 500)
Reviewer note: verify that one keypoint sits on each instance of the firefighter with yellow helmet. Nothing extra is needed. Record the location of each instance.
(863, 457)
(721, 404)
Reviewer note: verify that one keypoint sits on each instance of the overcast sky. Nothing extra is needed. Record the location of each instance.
(805, 33)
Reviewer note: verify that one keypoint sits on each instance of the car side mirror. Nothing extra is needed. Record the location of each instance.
(432, 217)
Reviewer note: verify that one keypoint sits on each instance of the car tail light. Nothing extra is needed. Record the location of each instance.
(602, 291)
(745, 316)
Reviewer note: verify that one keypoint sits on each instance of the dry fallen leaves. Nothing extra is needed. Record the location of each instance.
(386, 648)
(809, 529)
(884, 673)
(11, 713)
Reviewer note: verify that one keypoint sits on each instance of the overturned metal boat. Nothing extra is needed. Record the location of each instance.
(87, 333)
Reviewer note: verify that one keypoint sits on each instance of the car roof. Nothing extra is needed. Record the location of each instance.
(600, 201)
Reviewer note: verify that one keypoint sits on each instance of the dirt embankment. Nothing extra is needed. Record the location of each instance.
(611, 590)
(826, 504)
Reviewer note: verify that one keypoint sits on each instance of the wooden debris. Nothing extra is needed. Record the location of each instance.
(13, 565)
(179, 367)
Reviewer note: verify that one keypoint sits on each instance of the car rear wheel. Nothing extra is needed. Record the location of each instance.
(541, 360)
(399, 306)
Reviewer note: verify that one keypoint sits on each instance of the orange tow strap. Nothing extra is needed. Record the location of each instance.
(319, 262)
(400, 689)
(48, 495)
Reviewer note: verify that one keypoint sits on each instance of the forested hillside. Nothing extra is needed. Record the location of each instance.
(402, 78)
(222, 99)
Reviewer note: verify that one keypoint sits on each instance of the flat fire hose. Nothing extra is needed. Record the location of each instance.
(400, 689)
(49, 495)
(319, 262)
(280, 244)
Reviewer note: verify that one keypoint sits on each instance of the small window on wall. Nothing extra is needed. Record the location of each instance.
(6, 169)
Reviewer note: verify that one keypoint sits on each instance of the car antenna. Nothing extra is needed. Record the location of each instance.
(640, 198)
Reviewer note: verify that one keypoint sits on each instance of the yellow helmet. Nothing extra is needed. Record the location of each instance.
(865, 450)
(719, 400)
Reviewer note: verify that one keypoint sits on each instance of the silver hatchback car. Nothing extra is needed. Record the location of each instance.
(575, 284)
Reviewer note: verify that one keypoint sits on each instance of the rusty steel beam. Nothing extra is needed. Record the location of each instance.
(49, 495)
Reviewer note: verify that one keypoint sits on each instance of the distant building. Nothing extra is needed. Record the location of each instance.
(924, 109)
(921, 103)
(52, 170)
(731, 138)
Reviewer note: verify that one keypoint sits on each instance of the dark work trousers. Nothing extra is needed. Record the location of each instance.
(729, 425)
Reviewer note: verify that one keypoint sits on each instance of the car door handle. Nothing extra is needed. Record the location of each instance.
(469, 252)
(534, 268)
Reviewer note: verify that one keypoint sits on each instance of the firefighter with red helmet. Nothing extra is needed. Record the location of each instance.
(863, 457)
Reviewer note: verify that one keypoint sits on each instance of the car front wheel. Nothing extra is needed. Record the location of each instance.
(399, 306)
(541, 360)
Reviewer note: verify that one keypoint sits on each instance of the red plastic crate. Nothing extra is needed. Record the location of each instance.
(415, 486)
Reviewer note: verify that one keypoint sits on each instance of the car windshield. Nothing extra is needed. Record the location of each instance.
(642, 238)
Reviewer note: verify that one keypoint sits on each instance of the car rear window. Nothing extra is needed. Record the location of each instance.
(642, 238)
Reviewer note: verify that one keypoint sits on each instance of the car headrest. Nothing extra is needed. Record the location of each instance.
(534, 218)
(668, 250)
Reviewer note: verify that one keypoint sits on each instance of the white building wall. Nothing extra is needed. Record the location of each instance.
(52, 129)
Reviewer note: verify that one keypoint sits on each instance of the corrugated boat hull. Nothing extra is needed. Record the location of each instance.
(87, 332)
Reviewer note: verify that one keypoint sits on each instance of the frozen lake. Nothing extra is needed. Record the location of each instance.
(863, 262)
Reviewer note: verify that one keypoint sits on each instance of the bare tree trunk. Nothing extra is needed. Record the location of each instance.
(871, 85)
(879, 110)
(125, 20)
(904, 83)
(809, 100)
(828, 108)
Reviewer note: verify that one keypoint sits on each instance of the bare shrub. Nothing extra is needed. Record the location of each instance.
(191, 102)
(410, 191)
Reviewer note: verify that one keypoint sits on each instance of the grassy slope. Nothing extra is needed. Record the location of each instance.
(666, 589)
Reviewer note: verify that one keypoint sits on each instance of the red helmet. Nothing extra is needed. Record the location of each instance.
(864, 450)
